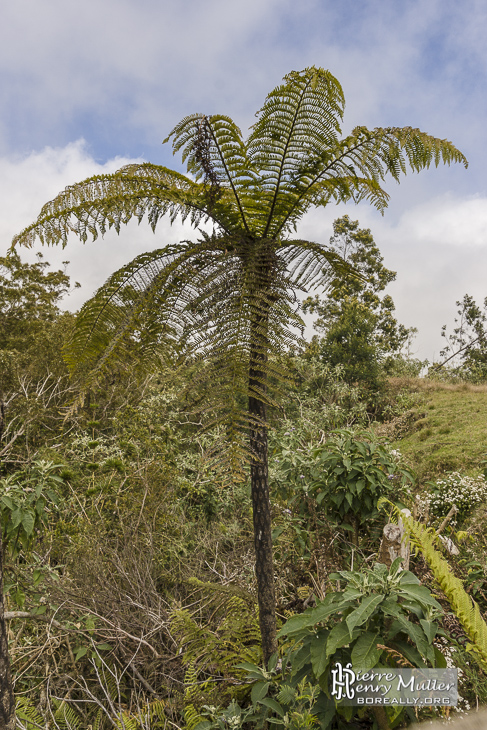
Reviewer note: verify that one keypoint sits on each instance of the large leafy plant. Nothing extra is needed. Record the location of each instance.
(346, 476)
(379, 617)
(27, 498)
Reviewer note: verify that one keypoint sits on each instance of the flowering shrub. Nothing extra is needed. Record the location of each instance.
(454, 489)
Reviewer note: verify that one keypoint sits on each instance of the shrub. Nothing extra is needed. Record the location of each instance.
(346, 476)
(462, 491)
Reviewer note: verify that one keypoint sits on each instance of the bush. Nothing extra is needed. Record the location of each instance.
(462, 491)
(345, 476)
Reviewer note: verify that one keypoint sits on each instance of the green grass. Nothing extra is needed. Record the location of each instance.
(448, 431)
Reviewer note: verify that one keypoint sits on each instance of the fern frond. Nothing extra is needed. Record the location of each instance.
(299, 121)
(355, 167)
(214, 151)
(27, 712)
(232, 637)
(102, 202)
(463, 606)
(311, 264)
(67, 717)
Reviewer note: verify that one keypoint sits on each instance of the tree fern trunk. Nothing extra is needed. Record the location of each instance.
(7, 701)
(259, 474)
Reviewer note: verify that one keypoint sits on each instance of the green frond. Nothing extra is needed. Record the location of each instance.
(298, 123)
(354, 168)
(311, 264)
(142, 306)
(232, 637)
(28, 713)
(463, 606)
(67, 717)
(102, 202)
(215, 153)
(126, 721)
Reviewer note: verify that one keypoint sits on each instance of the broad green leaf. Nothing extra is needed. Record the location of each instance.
(407, 578)
(254, 672)
(416, 634)
(319, 655)
(7, 501)
(339, 636)
(429, 628)
(16, 517)
(440, 660)
(299, 622)
(351, 593)
(259, 691)
(28, 522)
(80, 653)
(272, 705)
(410, 652)
(365, 653)
(421, 594)
(392, 608)
(277, 532)
(363, 612)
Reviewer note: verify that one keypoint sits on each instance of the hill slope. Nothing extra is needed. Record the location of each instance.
(447, 430)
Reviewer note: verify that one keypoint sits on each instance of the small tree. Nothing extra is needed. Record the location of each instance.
(465, 351)
(355, 320)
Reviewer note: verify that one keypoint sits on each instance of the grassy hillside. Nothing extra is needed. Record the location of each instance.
(446, 430)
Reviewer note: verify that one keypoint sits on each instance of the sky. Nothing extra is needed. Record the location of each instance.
(86, 87)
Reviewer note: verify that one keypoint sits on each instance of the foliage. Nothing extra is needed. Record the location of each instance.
(463, 606)
(31, 325)
(465, 351)
(291, 708)
(254, 192)
(230, 297)
(346, 476)
(381, 617)
(26, 499)
(357, 325)
(233, 635)
(28, 297)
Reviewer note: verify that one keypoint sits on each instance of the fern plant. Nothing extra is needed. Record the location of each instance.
(211, 652)
(231, 295)
(463, 606)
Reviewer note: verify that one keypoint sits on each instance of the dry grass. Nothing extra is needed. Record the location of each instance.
(424, 385)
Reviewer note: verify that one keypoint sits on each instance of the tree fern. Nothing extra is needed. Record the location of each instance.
(231, 297)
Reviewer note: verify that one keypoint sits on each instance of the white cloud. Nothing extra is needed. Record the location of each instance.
(27, 183)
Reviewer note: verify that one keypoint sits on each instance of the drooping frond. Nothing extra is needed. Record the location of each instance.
(101, 202)
(142, 306)
(223, 299)
(311, 264)
(215, 153)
